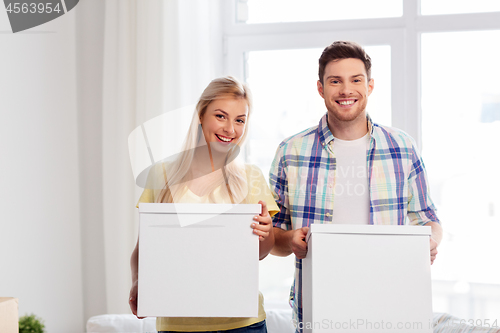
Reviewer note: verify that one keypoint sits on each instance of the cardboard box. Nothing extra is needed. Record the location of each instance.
(366, 278)
(9, 315)
(198, 260)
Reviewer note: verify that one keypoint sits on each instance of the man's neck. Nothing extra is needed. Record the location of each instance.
(348, 130)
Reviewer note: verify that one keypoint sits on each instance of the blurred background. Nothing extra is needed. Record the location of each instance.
(74, 88)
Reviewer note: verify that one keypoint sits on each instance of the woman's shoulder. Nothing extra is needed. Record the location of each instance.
(252, 168)
(253, 171)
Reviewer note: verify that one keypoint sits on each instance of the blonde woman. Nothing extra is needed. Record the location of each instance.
(207, 171)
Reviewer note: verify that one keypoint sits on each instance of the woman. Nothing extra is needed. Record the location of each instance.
(207, 171)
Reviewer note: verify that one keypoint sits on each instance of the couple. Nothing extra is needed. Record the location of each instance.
(308, 169)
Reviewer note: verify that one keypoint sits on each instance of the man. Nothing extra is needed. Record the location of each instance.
(347, 169)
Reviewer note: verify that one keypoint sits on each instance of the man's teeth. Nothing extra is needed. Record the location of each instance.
(346, 102)
(224, 139)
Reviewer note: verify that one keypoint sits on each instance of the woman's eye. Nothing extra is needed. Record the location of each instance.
(241, 121)
(220, 116)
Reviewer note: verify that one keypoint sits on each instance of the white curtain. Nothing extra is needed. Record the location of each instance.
(158, 55)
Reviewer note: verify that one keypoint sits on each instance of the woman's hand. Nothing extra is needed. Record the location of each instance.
(132, 301)
(264, 226)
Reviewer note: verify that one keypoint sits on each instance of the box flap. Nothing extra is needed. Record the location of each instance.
(369, 229)
(189, 208)
(8, 299)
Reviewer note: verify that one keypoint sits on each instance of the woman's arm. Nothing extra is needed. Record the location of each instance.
(134, 264)
(264, 229)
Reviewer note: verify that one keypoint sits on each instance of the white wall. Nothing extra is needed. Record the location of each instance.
(68, 223)
(40, 247)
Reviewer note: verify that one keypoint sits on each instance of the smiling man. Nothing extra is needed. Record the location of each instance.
(346, 170)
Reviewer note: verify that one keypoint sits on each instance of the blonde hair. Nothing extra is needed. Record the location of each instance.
(234, 173)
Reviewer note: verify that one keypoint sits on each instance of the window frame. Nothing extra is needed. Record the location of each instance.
(403, 34)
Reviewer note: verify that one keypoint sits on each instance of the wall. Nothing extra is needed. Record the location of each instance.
(40, 247)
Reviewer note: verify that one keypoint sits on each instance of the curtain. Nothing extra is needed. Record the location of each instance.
(158, 56)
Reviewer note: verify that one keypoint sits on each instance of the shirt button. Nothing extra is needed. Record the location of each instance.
(328, 214)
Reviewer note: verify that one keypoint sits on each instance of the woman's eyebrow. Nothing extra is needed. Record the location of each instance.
(241, 115)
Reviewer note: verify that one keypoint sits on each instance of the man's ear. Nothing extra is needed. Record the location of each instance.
(320, 89)
(371, 85)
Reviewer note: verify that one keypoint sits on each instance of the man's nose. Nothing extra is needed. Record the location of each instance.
(346, 89)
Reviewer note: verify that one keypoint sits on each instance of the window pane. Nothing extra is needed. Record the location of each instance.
(286, 101)
(461, 145)
(439, 7)
(268, 11)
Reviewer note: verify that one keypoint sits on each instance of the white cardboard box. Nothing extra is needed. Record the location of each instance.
(198, 260)
(367, 278)
(9, 317)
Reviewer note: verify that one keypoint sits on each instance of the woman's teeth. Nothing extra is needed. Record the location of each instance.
(223, 138)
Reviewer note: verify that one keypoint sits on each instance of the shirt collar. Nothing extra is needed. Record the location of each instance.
(325, 136)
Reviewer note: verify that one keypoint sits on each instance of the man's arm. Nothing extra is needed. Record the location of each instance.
(436, 237)
(290, 241)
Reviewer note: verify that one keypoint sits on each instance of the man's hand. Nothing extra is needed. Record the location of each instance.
(132, 301)
(298, 242)
(436, 237)
(434, 250)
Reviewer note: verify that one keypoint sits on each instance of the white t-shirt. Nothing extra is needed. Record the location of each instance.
(351, 198)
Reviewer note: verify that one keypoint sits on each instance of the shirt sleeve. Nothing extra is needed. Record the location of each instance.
(258, 189)
(154, 183)
(279, 188)
(421, 209)
(147, 196)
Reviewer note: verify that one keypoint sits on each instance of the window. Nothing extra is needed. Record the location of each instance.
(437, 80)
(461, 111)
(438, 7)
(265, 11)
(286, 100)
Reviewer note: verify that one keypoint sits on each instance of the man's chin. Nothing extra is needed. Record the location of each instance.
(348, 116)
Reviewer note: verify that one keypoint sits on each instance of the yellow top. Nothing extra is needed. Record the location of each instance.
(258, 190)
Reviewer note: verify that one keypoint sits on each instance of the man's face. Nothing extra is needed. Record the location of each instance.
(345, 89)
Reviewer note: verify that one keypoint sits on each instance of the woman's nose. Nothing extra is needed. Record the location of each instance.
(229, 128)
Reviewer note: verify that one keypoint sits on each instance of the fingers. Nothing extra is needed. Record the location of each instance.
(264, 226)
(261, 230)
(265, 212)
(433, 247)
(132, 301)
(299, 245)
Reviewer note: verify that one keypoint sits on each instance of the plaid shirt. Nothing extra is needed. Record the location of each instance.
(302, 180)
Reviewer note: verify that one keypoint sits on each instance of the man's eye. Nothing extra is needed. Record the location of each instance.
(334, 81)
(357, 80)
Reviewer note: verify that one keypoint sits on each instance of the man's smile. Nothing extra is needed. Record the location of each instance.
(346, 102)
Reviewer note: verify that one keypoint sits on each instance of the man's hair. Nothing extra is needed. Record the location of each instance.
(343, 50)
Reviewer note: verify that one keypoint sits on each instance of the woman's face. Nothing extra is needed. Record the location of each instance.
(224, 122)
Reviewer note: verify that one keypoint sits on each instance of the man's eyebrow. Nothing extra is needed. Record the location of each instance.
(340, 77)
